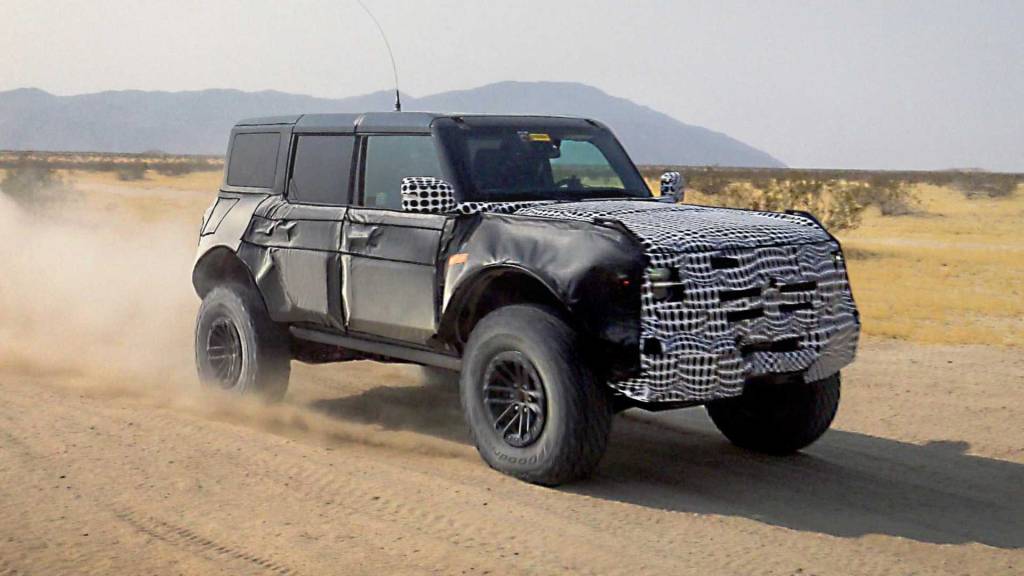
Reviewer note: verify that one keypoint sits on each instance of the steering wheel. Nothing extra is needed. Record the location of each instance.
(570, 183)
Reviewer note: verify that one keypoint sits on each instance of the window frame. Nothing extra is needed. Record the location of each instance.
(293, 152)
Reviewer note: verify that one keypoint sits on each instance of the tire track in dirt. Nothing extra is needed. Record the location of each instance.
(366, 496)
(184, 538)
(450, 521)
(107, 518)
(593, 520)
(6, 569)
(231, 444)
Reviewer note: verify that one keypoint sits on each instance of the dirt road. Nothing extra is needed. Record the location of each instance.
(364, 471)
(112, 462)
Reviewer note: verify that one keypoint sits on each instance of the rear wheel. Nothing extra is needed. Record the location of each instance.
(532, 405)
(778, 418)
(238, 347)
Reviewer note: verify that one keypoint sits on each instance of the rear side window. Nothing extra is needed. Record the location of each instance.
(253, 161)
(391, 158)
(321, 170)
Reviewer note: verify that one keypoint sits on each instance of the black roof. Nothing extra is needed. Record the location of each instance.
(393, 121)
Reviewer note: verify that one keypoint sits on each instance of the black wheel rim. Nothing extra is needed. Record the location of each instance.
(224, 353)
(514, 399)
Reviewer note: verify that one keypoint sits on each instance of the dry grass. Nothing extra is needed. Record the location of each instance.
(192, 182)
(954, 274)
(154, 198)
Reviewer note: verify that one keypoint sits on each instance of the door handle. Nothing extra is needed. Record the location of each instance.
(363, 237)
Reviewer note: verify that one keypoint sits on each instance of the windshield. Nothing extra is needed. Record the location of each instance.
(534, 161)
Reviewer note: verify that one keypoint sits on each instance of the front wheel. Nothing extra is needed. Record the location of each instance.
(532, 404)
(778, 418)
(238, 347)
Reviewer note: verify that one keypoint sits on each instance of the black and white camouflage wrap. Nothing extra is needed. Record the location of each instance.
(429, 195)
(754, 293)
(759, 293)
(435, 196)
(498, 207)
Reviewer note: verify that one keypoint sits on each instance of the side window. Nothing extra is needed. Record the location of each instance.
(253, 160)
(391, 158)
(321, 170)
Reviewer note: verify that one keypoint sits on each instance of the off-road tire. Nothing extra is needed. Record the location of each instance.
(438, 377)
(264, 346)
(578, 413)
(778, 418)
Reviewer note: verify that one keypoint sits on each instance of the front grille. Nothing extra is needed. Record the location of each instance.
(738, 313)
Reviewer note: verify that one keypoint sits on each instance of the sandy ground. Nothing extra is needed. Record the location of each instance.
(111, 460)
(366, 471)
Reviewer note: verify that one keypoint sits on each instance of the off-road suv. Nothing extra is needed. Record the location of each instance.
(527, 256)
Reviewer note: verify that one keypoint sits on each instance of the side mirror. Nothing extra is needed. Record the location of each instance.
(428, 195)
(672, 186)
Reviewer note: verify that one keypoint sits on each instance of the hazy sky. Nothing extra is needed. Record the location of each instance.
(914, 84)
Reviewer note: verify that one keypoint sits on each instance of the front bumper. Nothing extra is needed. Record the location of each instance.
(739, 314)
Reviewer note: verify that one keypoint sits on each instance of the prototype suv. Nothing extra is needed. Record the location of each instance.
(527, 256)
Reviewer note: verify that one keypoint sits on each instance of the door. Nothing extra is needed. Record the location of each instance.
(390, 256)
(307, 229)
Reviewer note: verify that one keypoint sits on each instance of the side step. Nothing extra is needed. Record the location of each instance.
(396, 351)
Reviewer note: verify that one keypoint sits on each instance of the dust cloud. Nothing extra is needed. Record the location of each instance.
(88, 291)
(96, 300)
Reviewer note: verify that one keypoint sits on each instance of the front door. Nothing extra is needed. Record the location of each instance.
(390, 256)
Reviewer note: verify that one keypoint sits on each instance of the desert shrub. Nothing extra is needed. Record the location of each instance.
(708, 182)
(187, 166)
(837, 197)
(175, 169)
(31, 184)
(109, 162)
(835, 203)
(893, 197)
(980, 185)
(131, 171)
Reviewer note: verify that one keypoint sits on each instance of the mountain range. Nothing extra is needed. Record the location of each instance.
(197, 122)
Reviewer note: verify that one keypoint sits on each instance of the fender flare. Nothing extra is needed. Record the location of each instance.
(465, 293)
(216, 264)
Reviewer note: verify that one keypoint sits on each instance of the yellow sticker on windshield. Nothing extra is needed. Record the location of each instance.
(537, 137)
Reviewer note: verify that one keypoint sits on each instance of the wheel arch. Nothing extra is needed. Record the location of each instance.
(491, 288)
(220, 265)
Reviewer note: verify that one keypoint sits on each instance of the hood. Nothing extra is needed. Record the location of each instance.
(676, 228)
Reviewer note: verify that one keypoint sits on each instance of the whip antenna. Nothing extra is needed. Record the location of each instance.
(394, 67)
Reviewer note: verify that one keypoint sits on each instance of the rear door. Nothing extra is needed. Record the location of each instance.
(390, 259)
(307, 228)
